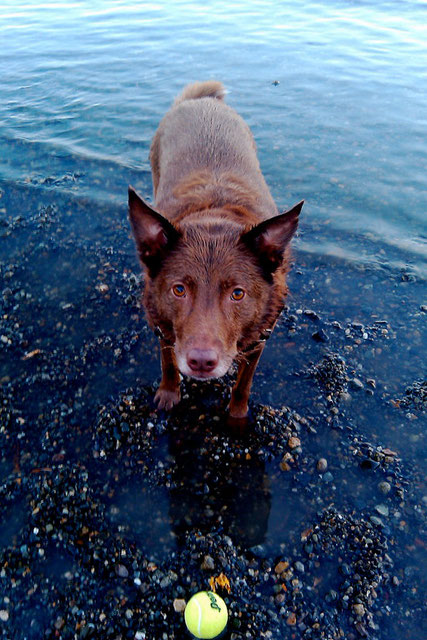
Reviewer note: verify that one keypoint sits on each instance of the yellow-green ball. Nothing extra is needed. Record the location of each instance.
(206, 615)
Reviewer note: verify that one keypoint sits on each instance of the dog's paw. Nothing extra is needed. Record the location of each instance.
(166, 399)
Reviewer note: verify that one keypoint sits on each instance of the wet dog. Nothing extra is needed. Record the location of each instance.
(215, 249)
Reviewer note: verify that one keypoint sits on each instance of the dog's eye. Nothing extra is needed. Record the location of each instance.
(238, 294)
(178, 290)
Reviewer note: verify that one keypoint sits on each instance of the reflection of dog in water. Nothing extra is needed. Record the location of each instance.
(215, 249)
(210, 495)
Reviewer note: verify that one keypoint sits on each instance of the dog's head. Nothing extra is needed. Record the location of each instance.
(211, 285)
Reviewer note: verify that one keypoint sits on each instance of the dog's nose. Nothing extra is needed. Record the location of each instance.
(202, 360)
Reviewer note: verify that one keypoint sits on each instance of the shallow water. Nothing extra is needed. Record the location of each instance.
(335, 95)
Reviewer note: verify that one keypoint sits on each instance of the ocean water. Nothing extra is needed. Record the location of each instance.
(83, 87)
(335, 94)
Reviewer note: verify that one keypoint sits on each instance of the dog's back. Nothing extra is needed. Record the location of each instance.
(204, 154)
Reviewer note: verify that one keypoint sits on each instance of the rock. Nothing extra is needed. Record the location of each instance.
(322, 465)
(292, 619)
(4, 615)
(359, 609)
(320, 336)
(311, 314)
(294, 442)
(207, 564)
(327, 477)
(299, 566)
(179, 605)
(59, 623)
(389, 452)
(382, 509)
(355, 383)
(121, 571)
(384, 487)
(281, 567)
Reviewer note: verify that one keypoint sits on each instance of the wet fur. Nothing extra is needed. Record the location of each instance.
(218, 228)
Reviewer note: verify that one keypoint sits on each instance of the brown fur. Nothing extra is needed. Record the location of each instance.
(215, 231)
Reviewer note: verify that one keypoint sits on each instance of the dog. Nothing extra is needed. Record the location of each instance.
(214, 248)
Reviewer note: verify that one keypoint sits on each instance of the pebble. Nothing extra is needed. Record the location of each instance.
(179, 605)
(294, 442)
(311, 314)
(299, 566)
(327, 477)
(281, 567)
(121, 571)
(355, 383)
(359, 609)
(320, 336)
(207, 564)
(4, 615)
(322, 465)
(384, 487)
(291, 620)
(382, 509)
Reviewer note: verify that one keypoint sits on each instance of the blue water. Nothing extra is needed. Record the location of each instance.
(83, 86)
(335, 94)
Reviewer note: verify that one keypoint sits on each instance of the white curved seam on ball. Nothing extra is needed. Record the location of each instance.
(200, 616)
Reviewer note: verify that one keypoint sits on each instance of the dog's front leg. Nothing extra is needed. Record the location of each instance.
(238, 407)
(168, 393)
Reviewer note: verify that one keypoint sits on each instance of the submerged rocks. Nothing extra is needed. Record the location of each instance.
(113, 514)
(415, 397)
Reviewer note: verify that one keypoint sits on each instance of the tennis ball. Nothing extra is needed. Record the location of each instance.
(206, 615)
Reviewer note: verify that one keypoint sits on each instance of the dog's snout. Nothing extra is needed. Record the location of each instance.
(202, 360)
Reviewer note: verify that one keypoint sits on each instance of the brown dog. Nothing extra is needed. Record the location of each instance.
(214, 249)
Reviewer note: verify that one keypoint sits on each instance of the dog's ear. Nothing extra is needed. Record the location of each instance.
(154, 235)
(269, 239)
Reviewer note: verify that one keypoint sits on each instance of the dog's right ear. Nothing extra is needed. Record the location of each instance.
(154, 235)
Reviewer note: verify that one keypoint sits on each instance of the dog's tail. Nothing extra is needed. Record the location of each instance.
(209, 89)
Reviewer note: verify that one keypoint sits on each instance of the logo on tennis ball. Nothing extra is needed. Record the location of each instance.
(206, 615)
(214, 603)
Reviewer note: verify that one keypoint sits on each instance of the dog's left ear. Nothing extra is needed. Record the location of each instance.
(269, 239)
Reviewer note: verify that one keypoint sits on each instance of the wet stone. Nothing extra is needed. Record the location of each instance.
(179, 605)
(356, 384)
(121, 571)
(294, 442)
(382, 509)
(208, 564)
(384, 487)
(320, 336)
(281, 567)
(322, 465)
(359, 609)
